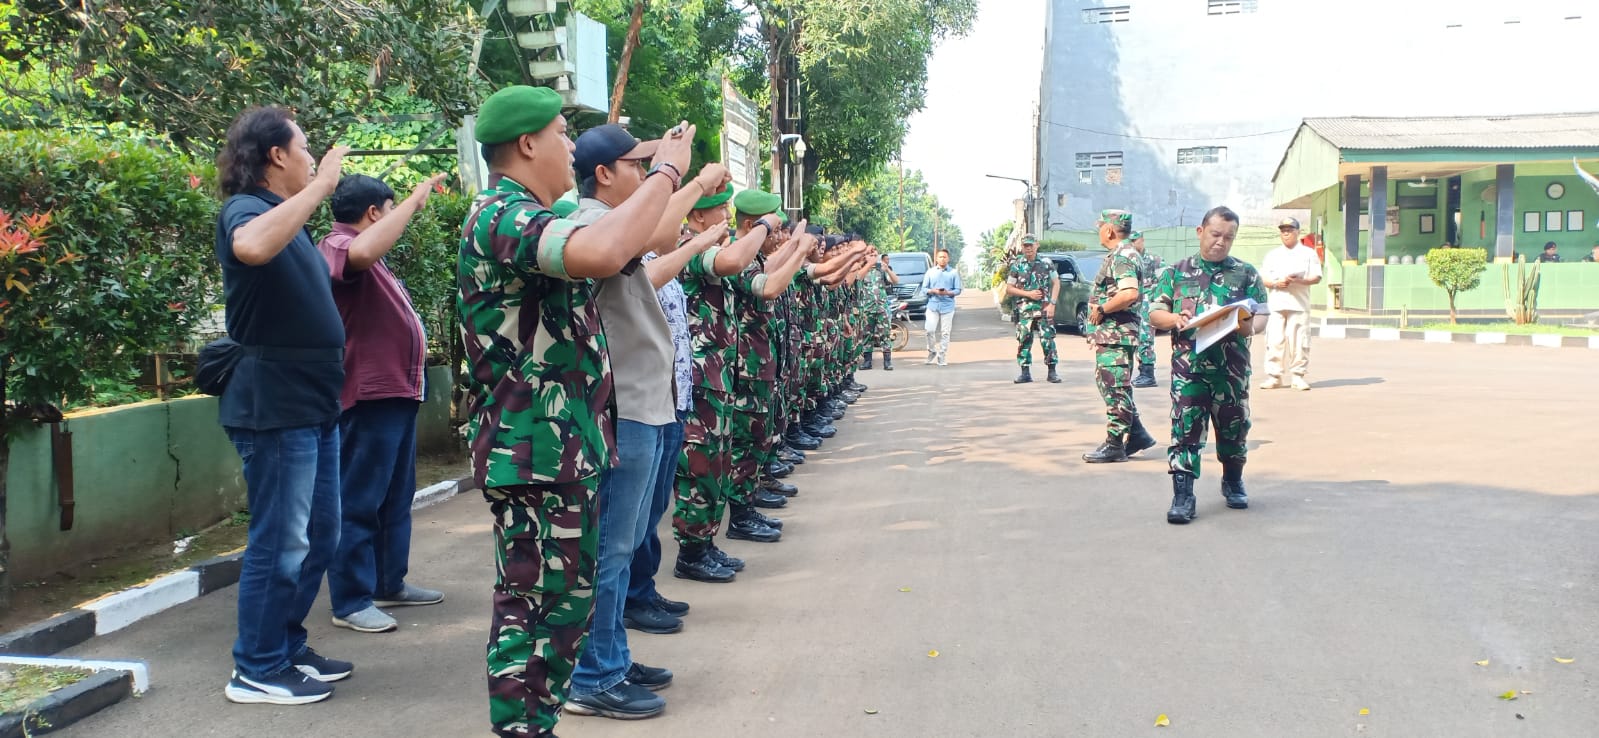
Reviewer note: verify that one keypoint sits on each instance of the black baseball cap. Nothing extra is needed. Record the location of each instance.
(608, 143)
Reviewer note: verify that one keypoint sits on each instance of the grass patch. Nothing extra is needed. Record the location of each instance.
(21, 685)
(1510, 329)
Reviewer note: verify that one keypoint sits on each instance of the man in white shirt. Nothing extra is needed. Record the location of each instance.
(1288, 272)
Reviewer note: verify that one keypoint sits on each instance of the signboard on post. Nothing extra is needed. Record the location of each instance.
(741, 138)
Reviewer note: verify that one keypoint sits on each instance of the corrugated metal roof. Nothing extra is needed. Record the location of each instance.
(1561, 130)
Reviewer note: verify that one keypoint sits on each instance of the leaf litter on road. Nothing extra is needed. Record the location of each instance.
(933, 654)
(1483, 662)
(1559, 660)
(1161, 721)
(1508, 695)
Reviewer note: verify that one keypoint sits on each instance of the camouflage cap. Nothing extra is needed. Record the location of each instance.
(1029, 239)
(756, 202)
(1122, 218)
(515, 110)
(715, 200)
(1135, 235)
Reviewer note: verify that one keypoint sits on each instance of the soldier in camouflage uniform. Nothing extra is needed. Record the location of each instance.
(1034, 284)
(1116, 313)
(704, 470)
(1209, 387)
(1150, 268)
(540, 397)
(877, 294)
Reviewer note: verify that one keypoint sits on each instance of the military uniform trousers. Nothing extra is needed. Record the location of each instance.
(752, 431)
(1199, 399)
(1028, 323)
(704, 468)
(1113, 375)
(1146, 337)
(545, 544)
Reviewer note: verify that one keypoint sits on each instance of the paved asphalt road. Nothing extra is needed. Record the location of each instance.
(1426, 507)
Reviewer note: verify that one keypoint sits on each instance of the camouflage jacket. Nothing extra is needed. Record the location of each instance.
(1194, 285)
(1150, 267)
(539, 375)
(1038, 274)
(712, 325)
(757, 352)
(1119, 271)
(876, 291)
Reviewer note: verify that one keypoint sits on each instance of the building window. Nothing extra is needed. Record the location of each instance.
(1085, 176)
(1202, 155)
(1108, 162)
(1229, 7)
(1108, 14)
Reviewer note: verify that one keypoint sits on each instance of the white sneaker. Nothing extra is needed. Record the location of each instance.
(942, 361)
(1300, 384)
(1272, 383)
(930, 360)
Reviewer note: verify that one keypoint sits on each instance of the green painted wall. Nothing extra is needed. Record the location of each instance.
(144, 473)
(1561, 287)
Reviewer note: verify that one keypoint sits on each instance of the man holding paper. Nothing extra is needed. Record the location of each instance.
(1211, 303)
(1289, 272)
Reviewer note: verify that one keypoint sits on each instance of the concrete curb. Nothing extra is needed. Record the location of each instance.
(110, 683)
(118, 610)
(1374, 333)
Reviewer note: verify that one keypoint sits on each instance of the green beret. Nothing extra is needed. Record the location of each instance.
(563, 208)
(756, 202)
(1122, 218)
(715, 201)
(516, 110)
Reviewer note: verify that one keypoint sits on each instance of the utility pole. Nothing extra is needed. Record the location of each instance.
(938, 228)
(902, 205)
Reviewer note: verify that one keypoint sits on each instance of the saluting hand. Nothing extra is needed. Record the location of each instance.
(707, 238)
(330, 170)
(419, 195)
(676, 147)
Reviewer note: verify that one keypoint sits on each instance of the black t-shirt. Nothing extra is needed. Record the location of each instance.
(283, 306)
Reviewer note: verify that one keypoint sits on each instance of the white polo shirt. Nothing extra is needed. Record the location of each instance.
(1299, 261)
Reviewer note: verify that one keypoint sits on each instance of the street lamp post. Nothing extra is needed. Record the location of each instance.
(1031, 203)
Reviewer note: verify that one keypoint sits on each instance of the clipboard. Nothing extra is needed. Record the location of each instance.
(1221, 321)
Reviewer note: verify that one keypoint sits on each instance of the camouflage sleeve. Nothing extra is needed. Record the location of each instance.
(705, 265)
(1013, 276)
(533, 241)
(748, 283)
(1124, 270)
(1254, 287)
(1165, 290)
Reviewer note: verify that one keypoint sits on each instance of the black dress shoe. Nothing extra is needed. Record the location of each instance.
(651, 620)
(779, 488)
(778, 469)
(768, 500)
(700, 567)
(752, 530)
(731, 563)
(652, 678)
(672, 607)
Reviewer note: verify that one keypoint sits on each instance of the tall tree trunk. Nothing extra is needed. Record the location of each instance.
(627, 60)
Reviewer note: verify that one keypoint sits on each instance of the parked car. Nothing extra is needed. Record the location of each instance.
(1076, 270)
(911, 267)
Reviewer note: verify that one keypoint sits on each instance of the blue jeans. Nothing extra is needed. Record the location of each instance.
(292, 475)
(625, 494)
(647, 558)
(377, 483)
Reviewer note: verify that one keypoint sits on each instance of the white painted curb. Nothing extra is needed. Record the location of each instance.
(1490, 338)
(139, 669)
(435, 494)
(1546, 340)
(1332, 331)
(1438, 337)
(122, 609)
(1385, 334)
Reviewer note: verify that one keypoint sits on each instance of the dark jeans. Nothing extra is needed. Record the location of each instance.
(647, 559)
(376, 486)
(292, 475)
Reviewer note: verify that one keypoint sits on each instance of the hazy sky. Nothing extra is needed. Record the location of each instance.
(981, 91)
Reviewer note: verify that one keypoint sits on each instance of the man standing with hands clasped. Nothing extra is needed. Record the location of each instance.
(1289, 272)
(1117, 315)
(1034, 284)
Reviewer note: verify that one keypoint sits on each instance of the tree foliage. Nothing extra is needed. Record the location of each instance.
(185, 68)
(995, 256)
(1456, 270)
(872, 208)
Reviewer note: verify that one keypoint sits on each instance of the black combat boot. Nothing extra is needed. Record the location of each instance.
(866, 361)
(732, 563)
(767, 520)
(1054, 376)
(849, 397)
(767, 499)
(1138, 437)
(1232, 485)
(779, 488)
(854, 386)
(1146, 376)
(800, 440)
(778, 469)
(1182, 499)
(888, 361)
(1109, 452)
(790, 455)
(694, 562)
(741, 526)
(1026, 375)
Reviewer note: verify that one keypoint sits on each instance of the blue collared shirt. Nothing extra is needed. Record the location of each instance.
(946, 278)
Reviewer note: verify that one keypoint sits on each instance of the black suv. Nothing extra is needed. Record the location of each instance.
(911, 267)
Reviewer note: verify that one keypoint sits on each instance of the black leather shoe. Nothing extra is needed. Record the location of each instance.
(766, 520)
(790, 456)
(751, 530)
(652, 678)
(768, 500)
(1054, 376)
(780, 488)
(1139, 439)
(672, 607)
(1182, 510)
(731, 563)
(625, 701)
(1146, 377)
(778, 470)
(1025, 377)
(651, 620)
(695, 564)
(1109, 452)
(1232, 485)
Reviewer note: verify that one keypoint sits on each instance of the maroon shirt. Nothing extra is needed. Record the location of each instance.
(385, 350)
